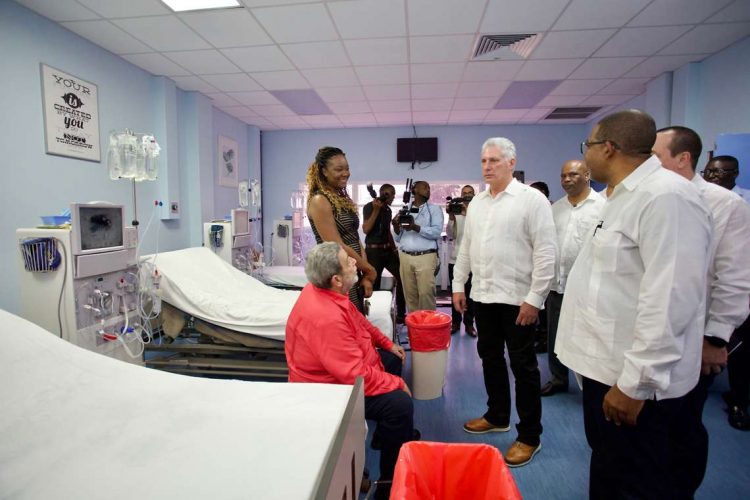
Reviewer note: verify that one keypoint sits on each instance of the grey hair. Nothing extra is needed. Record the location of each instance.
(322, 263)
(503, 144)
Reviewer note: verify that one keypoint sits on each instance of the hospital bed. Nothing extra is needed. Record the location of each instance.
(241, 322)
(77, 424)
(293, 277)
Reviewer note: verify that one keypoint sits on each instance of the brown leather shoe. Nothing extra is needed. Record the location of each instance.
(481, 426)
(520, 454)
(470, 331)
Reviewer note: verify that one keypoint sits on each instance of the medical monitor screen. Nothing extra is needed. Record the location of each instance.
(100, 227)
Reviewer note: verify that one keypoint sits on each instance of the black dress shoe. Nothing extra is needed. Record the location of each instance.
(455, 327)
(739, 419)
(471, 331)
(551, 388)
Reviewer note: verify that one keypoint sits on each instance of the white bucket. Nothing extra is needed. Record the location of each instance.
(428, 373)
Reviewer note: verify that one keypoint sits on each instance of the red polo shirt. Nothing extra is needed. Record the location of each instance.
(329, 341)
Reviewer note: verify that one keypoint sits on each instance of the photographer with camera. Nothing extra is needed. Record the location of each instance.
(418, 228)
(379, 245)
(456, 209)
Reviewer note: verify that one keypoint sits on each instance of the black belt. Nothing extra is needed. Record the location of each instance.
(423, 252)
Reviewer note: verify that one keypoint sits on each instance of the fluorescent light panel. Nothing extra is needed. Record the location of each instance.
(183, 5)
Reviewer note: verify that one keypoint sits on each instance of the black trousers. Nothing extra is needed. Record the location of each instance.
(739, 366)
(393, 413)
(468, 316)
(558, 370)
(496, 328)
(636, 462)
(387, 258)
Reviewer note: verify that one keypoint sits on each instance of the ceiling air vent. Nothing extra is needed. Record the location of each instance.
(573, 113)
(506, 46)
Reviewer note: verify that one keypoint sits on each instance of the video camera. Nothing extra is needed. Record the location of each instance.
(374, 195)
(405, 217)
(455, 206)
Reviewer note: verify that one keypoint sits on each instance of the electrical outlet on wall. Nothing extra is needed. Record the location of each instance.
(174, 207)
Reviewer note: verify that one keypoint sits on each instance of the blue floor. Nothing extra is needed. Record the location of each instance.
(560, 469)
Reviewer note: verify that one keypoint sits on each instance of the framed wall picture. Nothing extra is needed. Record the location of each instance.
(228, 162)
(71, 115)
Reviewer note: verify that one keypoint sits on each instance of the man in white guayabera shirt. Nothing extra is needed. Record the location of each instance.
(728, 299)
(633, 315)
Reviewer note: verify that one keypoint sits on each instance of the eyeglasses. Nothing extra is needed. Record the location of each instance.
(587, 144)
(718, 171)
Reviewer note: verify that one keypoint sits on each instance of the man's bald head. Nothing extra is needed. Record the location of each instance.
(632, 132)
(574, 178)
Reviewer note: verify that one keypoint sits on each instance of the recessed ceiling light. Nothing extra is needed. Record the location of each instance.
(183, 5)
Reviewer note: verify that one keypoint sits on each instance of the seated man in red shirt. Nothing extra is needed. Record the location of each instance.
(329, 341)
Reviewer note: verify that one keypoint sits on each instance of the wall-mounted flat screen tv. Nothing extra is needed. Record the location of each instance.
(416, 149)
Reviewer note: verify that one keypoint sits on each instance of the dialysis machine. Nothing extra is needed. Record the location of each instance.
(231, 240)
(81, 282)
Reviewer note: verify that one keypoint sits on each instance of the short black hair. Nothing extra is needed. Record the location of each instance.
(632, 131)
(386, 186)
(541, 186)
(684, 140)
(731, 160)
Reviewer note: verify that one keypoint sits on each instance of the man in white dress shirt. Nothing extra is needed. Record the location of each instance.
(509, 247)
(728, 298)
(723, 170)
(633, 317)
(575, 216)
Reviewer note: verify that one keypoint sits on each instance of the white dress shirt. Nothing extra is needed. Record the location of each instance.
(634, 306)
(509, 246)
(573, 224)
(742, 192)
(728, 301)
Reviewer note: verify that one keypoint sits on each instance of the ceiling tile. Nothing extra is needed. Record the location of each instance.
(383, 75)
(266, 3)
(290, 122)
(272, 110)
(444, 17)
(163, 33)
(254, 98)
(671, 12)
(238, 111)
(490, 71)
(302, 102)
(345, 108)
(434, 49)
(505, 115)
(193, 83)
(568, 44)
(387, 92)
(587, 14)
(436, 117)
(468, 114)
(482, 89)
(107, 35)
(156, 64)
(60, 10)
(297, 23)
(474, 103)
(436, 73)
(626, 86)
(369, 18)
(535, 114)
(524, 95)
(331, 77)
(341, 94)
(385, 118)
(602, 100)
(281, 80)
(433, 90)
(605, 67)
(220, 99)
(227, 28)
(708, 38)
(237, 82)
(739, 10)
(655, 66)
(389, 106)
(444, 104)
(377, 51)
(580, 87)
(550, 69)
(359, 119)
(316, 54)
(131, 8)
(268, 58)
(521, 16)
(323, 121)
(203, 62)
(561, 100)
(640, 41)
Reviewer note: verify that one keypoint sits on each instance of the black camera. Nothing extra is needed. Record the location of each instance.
(455, 206)
(405, 217)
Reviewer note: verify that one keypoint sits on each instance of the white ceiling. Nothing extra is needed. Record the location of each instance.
(403, 62)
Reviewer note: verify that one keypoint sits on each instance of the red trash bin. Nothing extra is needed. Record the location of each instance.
(430, 338)
(428, 470)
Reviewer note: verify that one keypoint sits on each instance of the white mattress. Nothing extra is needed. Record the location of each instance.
(202, 284)
(295, 276)
(76, 424)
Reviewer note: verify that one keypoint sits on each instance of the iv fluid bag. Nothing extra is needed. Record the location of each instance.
(113, 158)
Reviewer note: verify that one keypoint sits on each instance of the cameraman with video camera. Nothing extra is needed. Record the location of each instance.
(456, 209)
(418, 228)
(379, 245)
